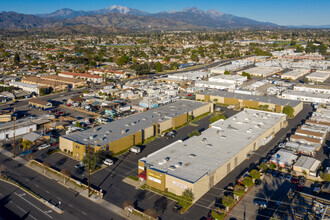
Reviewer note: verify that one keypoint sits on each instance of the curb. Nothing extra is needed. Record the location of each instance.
(50, 205)
(61, 183)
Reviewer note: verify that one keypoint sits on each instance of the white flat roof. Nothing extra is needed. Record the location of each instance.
(262, 70)
(306, 94)
(284, 156)
(104, 134)
(223, 84)
(24, 85)
(319, 74)
(200, 155)
(229, 77)
(296, 72)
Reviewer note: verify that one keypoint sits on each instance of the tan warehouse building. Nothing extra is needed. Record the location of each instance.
(124, 133)
(202, 161)
(249, 101)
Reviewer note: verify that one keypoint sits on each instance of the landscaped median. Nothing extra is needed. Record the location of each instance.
(30, 192)
(64, 178)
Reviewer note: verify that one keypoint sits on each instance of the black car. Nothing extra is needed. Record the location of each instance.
(302, 181)
(257, 182)
(269, 171)
(275, 173)
(173, 132)
(177, 207)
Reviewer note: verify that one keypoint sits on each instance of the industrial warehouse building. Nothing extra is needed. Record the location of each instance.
(294, 74)
(23, 126)
(26, 87)
(261, 71)
(318, 76)
(202, 161)
(322, 98)
(120, 135)
(40, 104)
(249, 101)
(312, 88)
(215, 85)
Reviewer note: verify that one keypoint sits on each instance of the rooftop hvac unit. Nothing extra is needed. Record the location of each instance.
(178, 164)
(192, 155)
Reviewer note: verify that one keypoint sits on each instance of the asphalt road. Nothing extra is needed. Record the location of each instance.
(17, 204)
(74, 205)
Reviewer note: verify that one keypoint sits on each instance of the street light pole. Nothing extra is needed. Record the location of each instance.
(89, 170)
(14, 119)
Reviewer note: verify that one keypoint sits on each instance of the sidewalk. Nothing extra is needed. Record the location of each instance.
(136, 184)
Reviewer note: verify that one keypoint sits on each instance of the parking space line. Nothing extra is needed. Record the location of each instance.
(171, 203)
(131, 170)
(83, 213)
(20, 208)
(154, 194)
(32, 217)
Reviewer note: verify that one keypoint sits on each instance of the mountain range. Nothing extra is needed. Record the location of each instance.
(123, 18)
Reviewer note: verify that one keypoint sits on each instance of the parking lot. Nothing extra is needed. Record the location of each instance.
(273, 190)
(110, 179)
(60, 161)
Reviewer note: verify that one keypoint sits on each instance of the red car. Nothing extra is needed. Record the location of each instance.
(294, 180)
(189, 94)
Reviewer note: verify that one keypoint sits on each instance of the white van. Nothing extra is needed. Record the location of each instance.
(135, 149)
(44, 146)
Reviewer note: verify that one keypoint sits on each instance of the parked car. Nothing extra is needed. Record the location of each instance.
(173, 132)
(79, 165)
(135, 149)
(302, 180)
(177, 207)
(288, 177)
(281, 175)
(268, 171)
(294, 180)
(275, 173)
(6, 145)
(168, 135)
(257, 182)
(108, 162)
(264, 160)
(317, 189)
(299, 188)
(44, 146)
(26, 152)
(260, 202)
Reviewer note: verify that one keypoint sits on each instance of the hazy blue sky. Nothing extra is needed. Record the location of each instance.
(284, 12)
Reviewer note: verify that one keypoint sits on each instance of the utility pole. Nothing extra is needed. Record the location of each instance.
(89, 170)
(14, 119)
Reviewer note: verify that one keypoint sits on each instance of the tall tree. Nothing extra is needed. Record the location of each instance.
(16, 59)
